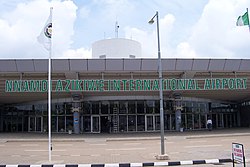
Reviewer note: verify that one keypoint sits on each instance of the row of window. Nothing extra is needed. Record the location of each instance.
(125, 123)
(246, 103)
(118, 107)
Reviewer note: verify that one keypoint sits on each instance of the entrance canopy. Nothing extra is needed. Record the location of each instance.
(125, 69)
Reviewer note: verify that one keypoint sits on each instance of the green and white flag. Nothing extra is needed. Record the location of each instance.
(243, 20)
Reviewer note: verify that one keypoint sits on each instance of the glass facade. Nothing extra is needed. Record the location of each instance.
(117, 116)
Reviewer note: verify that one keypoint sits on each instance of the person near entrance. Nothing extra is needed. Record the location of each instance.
(209, 124)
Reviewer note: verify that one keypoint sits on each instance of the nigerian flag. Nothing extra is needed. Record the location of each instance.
(243, 20)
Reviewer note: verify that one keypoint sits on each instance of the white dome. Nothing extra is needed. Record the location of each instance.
(116, 48)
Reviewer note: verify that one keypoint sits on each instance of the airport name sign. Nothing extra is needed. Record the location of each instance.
(126, 85)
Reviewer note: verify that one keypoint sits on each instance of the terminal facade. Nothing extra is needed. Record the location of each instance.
(121, 95)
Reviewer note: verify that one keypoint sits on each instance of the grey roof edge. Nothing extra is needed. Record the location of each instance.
(241, 66)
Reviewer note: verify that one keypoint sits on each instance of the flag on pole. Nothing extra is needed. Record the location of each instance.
(45, 39)
(243, 20)
(45, 36)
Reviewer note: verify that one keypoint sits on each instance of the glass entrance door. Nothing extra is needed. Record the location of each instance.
(149, 122)
(35, 124)
(39, 124)
(95, 124)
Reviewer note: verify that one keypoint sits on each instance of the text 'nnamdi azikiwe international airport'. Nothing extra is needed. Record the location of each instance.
(126, 85)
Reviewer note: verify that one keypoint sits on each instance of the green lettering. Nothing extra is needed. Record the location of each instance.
(155, 85)
(182, 84)
(72, 85)
(44, 86)
(67, 85)
(101, 85)
(35, 86)
(167, 84)
(196, 84)
(217, 81)
(124, 82)
(91, 85)
(17, 86)
(59, 86)
(8, 86)
(173, 84)
(25, 86)
(117, 85)
(244, 83)
(207, 84)
(147, 84)
(211, 84)
(239, 84)
(231, 83)
(190, 84)
(85, 85)
(78, 85)
(224, 83)
(131, 85)
(138, 84)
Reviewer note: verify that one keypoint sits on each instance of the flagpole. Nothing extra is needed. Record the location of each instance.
(248, 20)
(49, 92)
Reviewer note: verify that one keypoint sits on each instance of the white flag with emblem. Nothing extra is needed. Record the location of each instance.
(45, 36)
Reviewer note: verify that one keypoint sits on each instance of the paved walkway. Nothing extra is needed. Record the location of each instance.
(31, 148)
(122, 136)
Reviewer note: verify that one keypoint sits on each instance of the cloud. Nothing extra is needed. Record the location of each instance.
(215, 35)
(21, 26)
(145, 38)
(209, 33)
(80, 53)
(84, 12)
(184, 50)
(148, 39)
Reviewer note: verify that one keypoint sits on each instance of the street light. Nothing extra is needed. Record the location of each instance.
(163, 155)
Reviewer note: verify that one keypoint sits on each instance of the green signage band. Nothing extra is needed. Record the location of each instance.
(126, 85)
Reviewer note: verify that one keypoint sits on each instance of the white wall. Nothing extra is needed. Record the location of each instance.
(116, 48)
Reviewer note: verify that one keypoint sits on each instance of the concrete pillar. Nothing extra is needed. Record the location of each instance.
(178, 108)
(1, 123)
(76, 108)
(76, 122)
(178, 123)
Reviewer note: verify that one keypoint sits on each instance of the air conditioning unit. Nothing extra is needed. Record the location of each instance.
(75, 109)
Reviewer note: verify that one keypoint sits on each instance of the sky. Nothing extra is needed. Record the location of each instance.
(188, 28)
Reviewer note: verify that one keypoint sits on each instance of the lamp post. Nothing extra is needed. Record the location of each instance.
(163, 155)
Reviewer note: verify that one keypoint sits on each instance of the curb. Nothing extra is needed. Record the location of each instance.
(217, 135)
(134, 139)
(173, 163)
(41, 140)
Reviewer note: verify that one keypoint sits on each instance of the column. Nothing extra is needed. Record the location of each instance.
(178, 108)
(76, 122)
(76, 117)
(76, 107)
(1, 122)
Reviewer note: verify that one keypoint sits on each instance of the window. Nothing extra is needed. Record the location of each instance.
(150, 106)
(95, 107)
(105, 107)
(114, 107)
(140, 106)
(123, 107)
(86, 107)
(123, 123)
(140, 122)
(131, 123)
(131, 107)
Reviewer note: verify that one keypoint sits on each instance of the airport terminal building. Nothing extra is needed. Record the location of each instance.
(121, 95)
